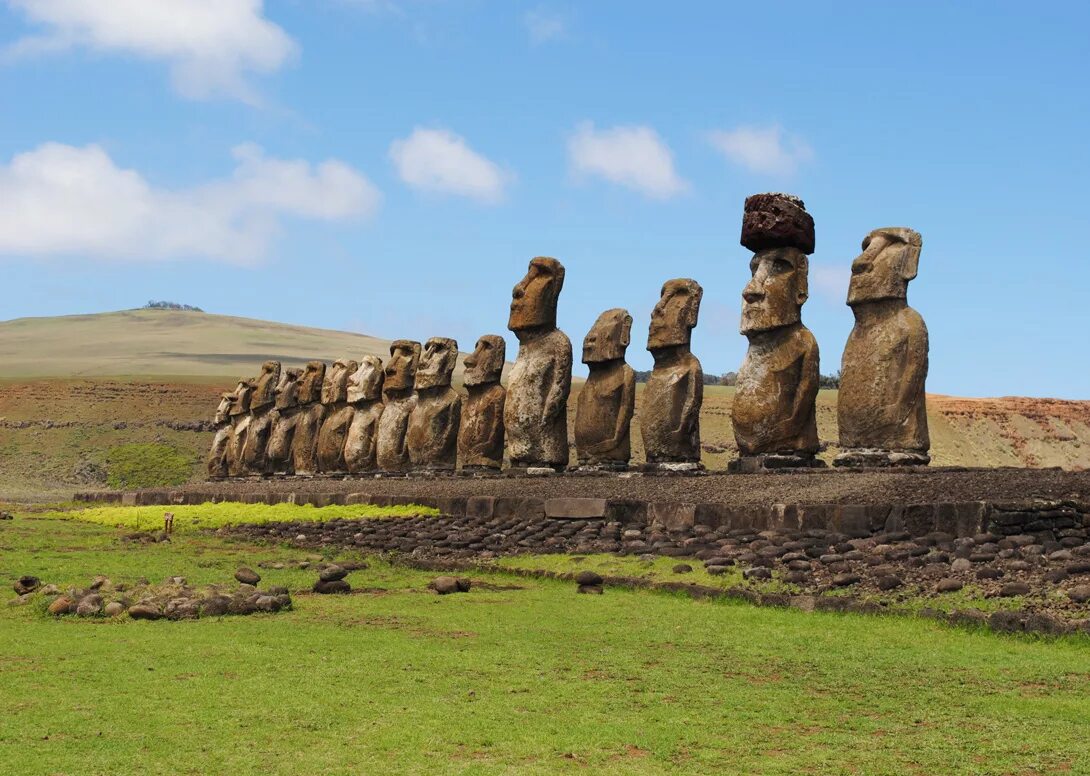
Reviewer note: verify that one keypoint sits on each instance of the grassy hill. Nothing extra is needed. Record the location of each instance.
(117, 398)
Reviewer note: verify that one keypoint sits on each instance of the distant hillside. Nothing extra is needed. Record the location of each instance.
(153, 343)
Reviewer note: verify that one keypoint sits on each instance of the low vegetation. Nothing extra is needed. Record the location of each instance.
(147, 466)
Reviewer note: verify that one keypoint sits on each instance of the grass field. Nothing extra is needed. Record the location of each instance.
(518, 676)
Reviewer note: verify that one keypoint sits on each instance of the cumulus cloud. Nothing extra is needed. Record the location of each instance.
(544, 26)
(211, 46)
(62, 200)
(438, 160)
(762, 149)
(630, 156)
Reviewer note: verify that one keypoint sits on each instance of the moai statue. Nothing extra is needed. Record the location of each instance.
(391, 451)
(221, 424)
(337, 417)
(603, 412)
(480, 438)
(881, 409)
(774, 411)
(262, 416)
(432, 438)
(240, 427)
(285, 414)
(308, 421)
(536, 411)
(670, 410)
(365, 397)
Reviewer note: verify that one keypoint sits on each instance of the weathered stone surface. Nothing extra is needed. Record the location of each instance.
(576, 508)
(670, 410)
(113, 609)
(308, 421)
(881, 409)
(774, 410)
(535, 412)
(588, 578)
(607, 401)
(262, 406)
(61, 605)
(481, 433)
(286, 411)
(145, 611)
(89, 606)
(247, 576)
(216, 463)
(239, 413)
(776, 221)
(391, 451)
(446, 585)
(337, 417)
(26, 584)
(332, 573)
(332, 587)
(365, 398)
(432, 436)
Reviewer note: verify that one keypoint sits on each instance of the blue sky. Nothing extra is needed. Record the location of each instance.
(390, 167)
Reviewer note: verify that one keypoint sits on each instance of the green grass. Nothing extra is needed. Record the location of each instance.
(193, 517)
(518, 676)
(147, 466)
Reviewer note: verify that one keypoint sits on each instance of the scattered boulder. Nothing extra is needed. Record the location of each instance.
(889, 582)
(6, 516)
(61, 605)
(949, 585)
(89, 606)
(757, 572)
(1079, 594)
(846, 579)
(113, 609)
(446, 585)
(1012, 589)
(247, 576)
(588, 579)
(332, 573)
(145, 611)
(332, 586)
(683, 568)
(26, 584)
(21, 600)
(99, 582)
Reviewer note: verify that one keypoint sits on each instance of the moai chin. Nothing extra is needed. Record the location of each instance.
(239, 414)
(221, 439)
(774, 410)
(670, 409)
(337, 416)
(308, 421)
(365, 397)
(881, 408)
(603, 412)
(391, 452)
(535, 414)
(481, 434)
(263, 414)
(432, 438)
(285, 413)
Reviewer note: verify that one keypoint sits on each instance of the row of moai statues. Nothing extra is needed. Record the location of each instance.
(358, 417)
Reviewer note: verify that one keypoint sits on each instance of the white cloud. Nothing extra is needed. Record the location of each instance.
(440, 161)
(762, 149)
(210, 45)
(544, 26)
(64, 200)
(632, 156)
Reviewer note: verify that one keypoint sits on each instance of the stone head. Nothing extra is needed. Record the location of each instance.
(310, 384)
(265, 390)
(533, 300)
(437, 363)
(223, 411)
(675, 315)
(287, 392)
(608, 338)
(243, 393)
(890, 259)
(774, 296)
(335, 384)
(485, 364)
(365, 384)
(401, 368)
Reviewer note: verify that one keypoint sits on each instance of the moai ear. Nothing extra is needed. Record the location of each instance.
(693, 308)
(626, 331)
(910, 262)
(802, 281)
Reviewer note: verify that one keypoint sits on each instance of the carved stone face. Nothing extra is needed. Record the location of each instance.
(533, 300)
(310, 385)
(365, 384)
(775, 294)
(223, 411)
(287, 392)
(485, 364)
(608, 339)
(401, 368)
(675, 315)
(890, 259)
(265, 390)
(243, 392)
(437, 363)
(335, 385)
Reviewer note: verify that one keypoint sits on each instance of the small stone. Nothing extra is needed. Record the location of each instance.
(889, 582)
(989, 573)
(89, 606)
(845, 579)
(1078, 568)
(114, 608)
(99, 582)
(247, 576)
(588, 578)
(50, 589)
(21, 600)
(716, 571)
(266, 603)
(961, 565)
(332, 573)
(757, 572)
(1079, 594)
(1055, 576)
(215, 606)
(145, 611)
(948, 585)
(26, 584)
(591, 589)
(301, 538)
(60, 605)
(1006, 622)
(1012, 589)
(682, 568)
(796, 577)
(334, 586)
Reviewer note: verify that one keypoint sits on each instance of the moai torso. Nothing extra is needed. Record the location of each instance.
(536, 409)
(282, 434)
(672, 398)
(365, 396)
(881, 404)
(391, 449)
(481, 431)
(240, 427)
(217, 454)
(308, 420)
(337, 417)
(774, 410)
(262, 417)
(432, 437)
(607, 400)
